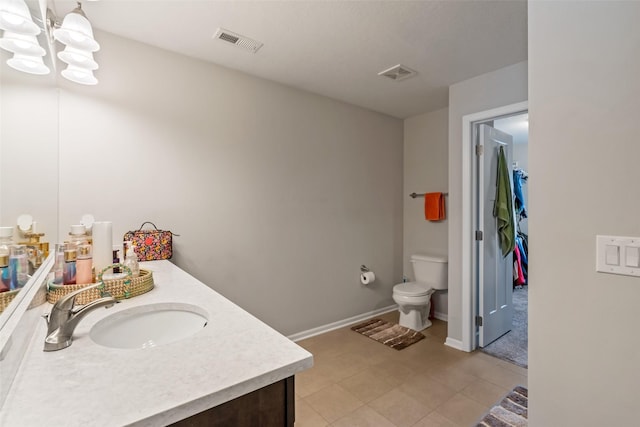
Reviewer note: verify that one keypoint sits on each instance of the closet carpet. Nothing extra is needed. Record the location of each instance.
(513, 346)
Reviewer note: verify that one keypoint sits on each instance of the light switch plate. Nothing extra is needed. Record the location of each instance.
(618, 255)
(632, 256)
(612, 254)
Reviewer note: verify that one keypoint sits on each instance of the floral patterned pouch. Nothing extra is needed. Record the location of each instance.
(150, 245)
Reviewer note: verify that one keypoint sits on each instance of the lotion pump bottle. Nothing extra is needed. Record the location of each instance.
(131, 261)
(84, 262)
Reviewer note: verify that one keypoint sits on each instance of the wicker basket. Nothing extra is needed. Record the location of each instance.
(127, 287)
(6, 298)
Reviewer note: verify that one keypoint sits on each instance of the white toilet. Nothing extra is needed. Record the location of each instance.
(414, 298)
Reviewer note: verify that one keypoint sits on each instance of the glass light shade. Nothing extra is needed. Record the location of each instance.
(78, 57)
(19, 43)
(28, 64)
(79, 75)
(76, 31)
(15, 17)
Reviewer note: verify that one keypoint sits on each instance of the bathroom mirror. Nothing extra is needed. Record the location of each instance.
(28, 155)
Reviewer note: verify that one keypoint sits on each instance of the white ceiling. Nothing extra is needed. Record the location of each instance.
(334, 48)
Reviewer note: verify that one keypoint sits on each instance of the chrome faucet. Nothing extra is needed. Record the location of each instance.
(63, 319)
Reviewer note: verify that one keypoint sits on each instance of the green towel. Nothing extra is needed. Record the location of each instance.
(503, 208)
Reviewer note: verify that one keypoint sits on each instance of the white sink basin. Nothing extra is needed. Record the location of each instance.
(149, 325)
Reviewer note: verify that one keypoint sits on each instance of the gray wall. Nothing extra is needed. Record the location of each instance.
(496, 89)
(584, 101)
(28, 150)
(278, 195)
(425, 170)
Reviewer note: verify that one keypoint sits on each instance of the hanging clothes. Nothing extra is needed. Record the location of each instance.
(517, 266)
(518, 177)
(503, 206)
(524, 259)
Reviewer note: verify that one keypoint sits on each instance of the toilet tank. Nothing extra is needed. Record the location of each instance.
(431, 269)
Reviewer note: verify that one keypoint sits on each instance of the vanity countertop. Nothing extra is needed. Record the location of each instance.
(90, 385)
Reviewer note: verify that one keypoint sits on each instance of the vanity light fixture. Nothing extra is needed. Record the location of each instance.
(76, 34)
(31, 64)
(19, 38)
(78, 57)
(15, 16)
(80, 75)
(20, 43)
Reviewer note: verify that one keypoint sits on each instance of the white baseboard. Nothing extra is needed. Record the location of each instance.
(457, 344)
(441, 316)
(341, 323)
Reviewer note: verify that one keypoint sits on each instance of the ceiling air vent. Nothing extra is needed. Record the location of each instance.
(238, 40)
(398, 72)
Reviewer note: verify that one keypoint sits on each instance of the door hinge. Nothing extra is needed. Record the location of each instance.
(479, 235)
(479, 150)
(478, 320)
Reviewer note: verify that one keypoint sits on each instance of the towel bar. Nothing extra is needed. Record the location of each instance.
(414, 195)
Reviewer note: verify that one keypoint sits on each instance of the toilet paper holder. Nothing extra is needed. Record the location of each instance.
(364, 268)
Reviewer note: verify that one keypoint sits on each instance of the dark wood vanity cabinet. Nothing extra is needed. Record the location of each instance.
(270, 406)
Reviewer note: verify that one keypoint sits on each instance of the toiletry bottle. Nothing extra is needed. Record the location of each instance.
(5, 281)
(18, 266)
(69, 271)
(84, 262)
(78, 235)
(6, 240)
(58, 264)
(131, 261)
(116, 260)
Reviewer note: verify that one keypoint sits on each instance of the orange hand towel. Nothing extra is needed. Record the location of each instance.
(434, 206)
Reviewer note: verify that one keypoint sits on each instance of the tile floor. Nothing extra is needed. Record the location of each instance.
(356, 381)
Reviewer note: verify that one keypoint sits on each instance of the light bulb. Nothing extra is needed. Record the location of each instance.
(15, 17)
(76, 31)
(79, 75)
(78, 57)
(28, 64)
(23, 44)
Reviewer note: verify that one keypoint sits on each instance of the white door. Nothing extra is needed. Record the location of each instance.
(495, 275)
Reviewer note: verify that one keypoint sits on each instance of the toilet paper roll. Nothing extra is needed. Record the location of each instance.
(102, 245)
(367, 277)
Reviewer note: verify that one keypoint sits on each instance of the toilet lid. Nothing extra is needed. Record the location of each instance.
(414, 289)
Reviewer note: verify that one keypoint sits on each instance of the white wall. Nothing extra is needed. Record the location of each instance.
(278, 195)
(583, 104)
(496, 89)
(425, 170)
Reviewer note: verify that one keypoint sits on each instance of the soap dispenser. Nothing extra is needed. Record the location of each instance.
(131, 261)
